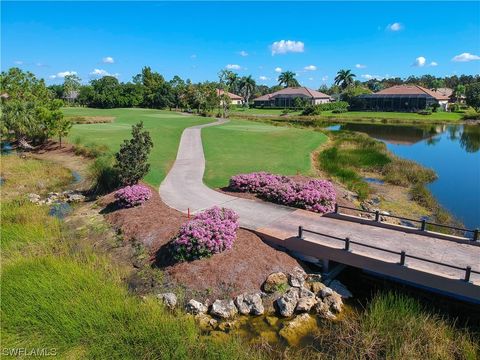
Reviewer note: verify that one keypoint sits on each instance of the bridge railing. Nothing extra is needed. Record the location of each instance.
(402, 254)
(474, 233)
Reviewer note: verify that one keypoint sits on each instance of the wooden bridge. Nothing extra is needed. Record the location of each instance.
(447, 264)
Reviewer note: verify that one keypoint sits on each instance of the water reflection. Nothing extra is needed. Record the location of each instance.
(453, 151)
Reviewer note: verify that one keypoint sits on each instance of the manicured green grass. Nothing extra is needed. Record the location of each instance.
(242, 146)
(165, 127)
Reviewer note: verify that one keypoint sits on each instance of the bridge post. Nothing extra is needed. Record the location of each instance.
(424, 225)
(402, 257)
(468, 271)
(475, 235)
(300, 232)
(336, 208)
(347, 244)
(377, 216)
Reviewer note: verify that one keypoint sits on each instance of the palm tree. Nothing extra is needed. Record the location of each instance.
(344, 78)
(287, 79)
(246, 85)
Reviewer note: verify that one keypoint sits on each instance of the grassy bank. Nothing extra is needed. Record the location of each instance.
(327, 117)
(351, 156)
(243, 146)
(165, 127)
(59, 293)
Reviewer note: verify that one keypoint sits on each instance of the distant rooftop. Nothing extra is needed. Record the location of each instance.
(412, 90)
(292, 91)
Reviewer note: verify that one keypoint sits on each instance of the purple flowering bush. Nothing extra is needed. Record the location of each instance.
(130, 196)
(209, 232)
(313, 195)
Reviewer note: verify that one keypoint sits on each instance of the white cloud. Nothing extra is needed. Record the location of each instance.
(18, 62)
(108, 60)
(325, 78)
(263, 78)
(370, 77)
(360, 66)
(285, 46)
(193, 56)
(419, 61)
(311, 78)
(233, 67)
(278, 69)
(62, 74)
(465, 57)
(396, 26)
(243, 53)
(310, 68)
(101, 72)
(433, 63)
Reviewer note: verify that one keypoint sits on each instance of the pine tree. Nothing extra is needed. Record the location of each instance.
(133, 155)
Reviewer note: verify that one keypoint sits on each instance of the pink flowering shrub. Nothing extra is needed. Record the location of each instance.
(314, 195)
(133, 195)
(209, 232)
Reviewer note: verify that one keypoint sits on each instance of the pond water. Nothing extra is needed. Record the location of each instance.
(453, 151)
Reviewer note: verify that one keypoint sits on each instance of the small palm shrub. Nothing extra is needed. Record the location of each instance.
(209, 232)
(130, 196)
(313, 195)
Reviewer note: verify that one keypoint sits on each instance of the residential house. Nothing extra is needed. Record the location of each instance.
(285, 98)
(234, 98)
(406, 98)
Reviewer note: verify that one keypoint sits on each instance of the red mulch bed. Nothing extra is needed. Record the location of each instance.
(241, 269)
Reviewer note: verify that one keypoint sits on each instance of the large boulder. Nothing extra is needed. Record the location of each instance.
(316, 286)
(275, 281)
(334, 301)
(323, 310)
(224, 309)
(287, 303)
(326, 291)
(168, 299)
(249, 304)
(314, 278)
(298, 328)
(304, 304)
(305, 293)
(195, 307)
(297, 277)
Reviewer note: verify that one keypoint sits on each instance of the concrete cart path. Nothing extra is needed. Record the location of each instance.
(183, 189)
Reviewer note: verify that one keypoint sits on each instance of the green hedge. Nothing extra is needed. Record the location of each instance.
(332, 106)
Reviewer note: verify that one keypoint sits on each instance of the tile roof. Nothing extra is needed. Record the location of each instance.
(229, 94)
(300, 91)
(411, 90)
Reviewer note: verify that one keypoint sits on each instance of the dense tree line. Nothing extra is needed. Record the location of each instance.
(30, 111)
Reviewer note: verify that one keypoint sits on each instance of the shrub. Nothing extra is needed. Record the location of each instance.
(104, 175)
(406, 172)
(339, 111)
(133, 156)
(314, 195)
(424, 112)
(331, 106)
(209, 232)
(134, 195)
(471, 115)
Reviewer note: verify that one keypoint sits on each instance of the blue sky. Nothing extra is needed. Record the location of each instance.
(196, 40)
